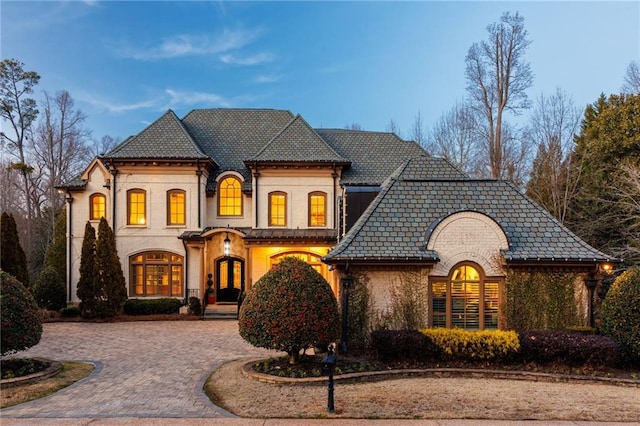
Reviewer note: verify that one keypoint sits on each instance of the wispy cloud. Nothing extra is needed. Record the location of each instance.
(192, 45)
(260, 58)
(263, 78)
(116, 108)
(179, 98)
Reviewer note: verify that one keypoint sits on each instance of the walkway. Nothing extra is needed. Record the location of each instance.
(144, 369)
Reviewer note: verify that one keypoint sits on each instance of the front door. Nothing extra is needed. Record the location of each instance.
(229, 279)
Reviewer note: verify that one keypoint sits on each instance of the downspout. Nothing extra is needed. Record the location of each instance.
(69, 237)
(334, 175)
(199, 174)
(113, 172)
(186, 274)
(256, 174)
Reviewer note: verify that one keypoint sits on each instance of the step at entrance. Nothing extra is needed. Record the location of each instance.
(221, 312)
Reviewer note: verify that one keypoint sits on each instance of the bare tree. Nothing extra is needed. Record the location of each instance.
(554, 122)
(629, 189)
(497, 80)
(353, 126)
(106, 144)
(632, 79)
(20, 111)
(59, 146)
(393, 127)
(417, 130)
(455, 137)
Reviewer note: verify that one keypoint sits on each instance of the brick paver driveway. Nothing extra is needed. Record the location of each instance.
(144, 369)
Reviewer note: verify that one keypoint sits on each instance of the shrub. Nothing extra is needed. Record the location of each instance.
(195, 306)
(70, 312)
(289, 309)
(400, 345)
(21, 319)
(49, 290)
(152, 306)
(360, 313)
(620, 314)
(581, 329)
(12, 257)
(562, 347)
(408, 306)
(473, 345)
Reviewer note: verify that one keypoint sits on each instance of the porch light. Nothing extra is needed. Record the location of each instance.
(227, 245)
(606, 268)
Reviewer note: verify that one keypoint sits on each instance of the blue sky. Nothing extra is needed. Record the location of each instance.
(335, 63)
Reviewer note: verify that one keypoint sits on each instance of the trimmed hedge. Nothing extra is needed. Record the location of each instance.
(152, 306)
(572, 349)
(400, 345)
(21, 319)
(456, 344)
(70, 312)
(195, 306)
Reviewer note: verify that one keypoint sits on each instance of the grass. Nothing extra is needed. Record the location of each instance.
(71, 372)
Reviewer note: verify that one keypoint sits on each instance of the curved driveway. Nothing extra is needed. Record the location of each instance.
(144, 369)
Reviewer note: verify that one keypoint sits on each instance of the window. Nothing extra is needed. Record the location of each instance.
(464, 300)
(277, 209)
(317, 209)
(97, 208)
(156, 274)
(176, 206)
(230, 197)
(136, 207)
(310, 258)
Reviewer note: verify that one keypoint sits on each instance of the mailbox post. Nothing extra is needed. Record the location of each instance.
(328, 367)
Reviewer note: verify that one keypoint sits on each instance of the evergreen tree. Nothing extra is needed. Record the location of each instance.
(109, 277)
(608, 138)
(12, 257)
(86, 290)
(56, 255)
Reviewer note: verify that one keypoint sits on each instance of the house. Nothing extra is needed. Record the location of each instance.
(227, 193)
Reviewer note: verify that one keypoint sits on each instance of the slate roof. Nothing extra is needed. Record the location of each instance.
(166, 138)
(270, 234)
(230, 136)
(374, 155)
(297, 142)
(396, 224)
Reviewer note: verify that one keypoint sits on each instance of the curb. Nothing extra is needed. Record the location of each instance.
(53, 369)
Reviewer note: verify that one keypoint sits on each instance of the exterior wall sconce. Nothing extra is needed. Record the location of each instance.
(227, 244)
(107, 184)
(606, 268)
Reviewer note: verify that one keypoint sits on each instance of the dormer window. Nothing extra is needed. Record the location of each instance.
(230, 197)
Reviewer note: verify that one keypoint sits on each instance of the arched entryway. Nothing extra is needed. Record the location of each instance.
(465, 299)
(229, 279)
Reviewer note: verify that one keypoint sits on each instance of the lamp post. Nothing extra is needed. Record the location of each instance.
(347, 283)
(328, 368)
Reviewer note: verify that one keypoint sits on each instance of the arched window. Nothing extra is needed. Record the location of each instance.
(277, 209)
(465, 299)
(317, 209)
(176, 207)
(97, 206)
(230, 197)
(136, 207)
(156, 273)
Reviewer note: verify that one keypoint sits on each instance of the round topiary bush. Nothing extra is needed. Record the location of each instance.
(290, 309)
(49, 290)
(21, 324)
(620, 314)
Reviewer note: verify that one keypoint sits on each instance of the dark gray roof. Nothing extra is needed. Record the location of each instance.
(374, 155)
(397, 223)
(230, 136)
(166, 138)
(297, 142)
(327, 235)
